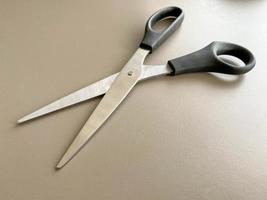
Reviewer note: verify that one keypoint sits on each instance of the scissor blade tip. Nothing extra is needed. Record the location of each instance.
(58, 166)
(61, 164)
(21, 121)
(25, 118)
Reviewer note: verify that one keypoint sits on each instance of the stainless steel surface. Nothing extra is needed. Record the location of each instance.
(93, 90)
(130, 74)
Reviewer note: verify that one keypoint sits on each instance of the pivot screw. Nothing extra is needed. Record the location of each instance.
(130, 73)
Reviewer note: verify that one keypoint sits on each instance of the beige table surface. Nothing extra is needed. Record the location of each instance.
(189, 137)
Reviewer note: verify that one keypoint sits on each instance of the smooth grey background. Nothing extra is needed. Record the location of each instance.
(190, 137)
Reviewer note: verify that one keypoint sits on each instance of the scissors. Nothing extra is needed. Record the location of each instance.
(117, 86)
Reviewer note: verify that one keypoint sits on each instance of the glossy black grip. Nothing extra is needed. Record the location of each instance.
(207, 60)
(152, 38)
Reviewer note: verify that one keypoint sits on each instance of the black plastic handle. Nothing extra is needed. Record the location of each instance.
(207, 60)
(152, 38)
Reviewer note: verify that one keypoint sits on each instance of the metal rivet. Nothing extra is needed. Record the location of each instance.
(130, 73)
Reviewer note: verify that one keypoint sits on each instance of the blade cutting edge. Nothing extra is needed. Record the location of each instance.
(93, 90)
(123, 84)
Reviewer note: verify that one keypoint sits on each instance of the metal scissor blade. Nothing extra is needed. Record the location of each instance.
(127, 78)
(95, 89)
(91, 91)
